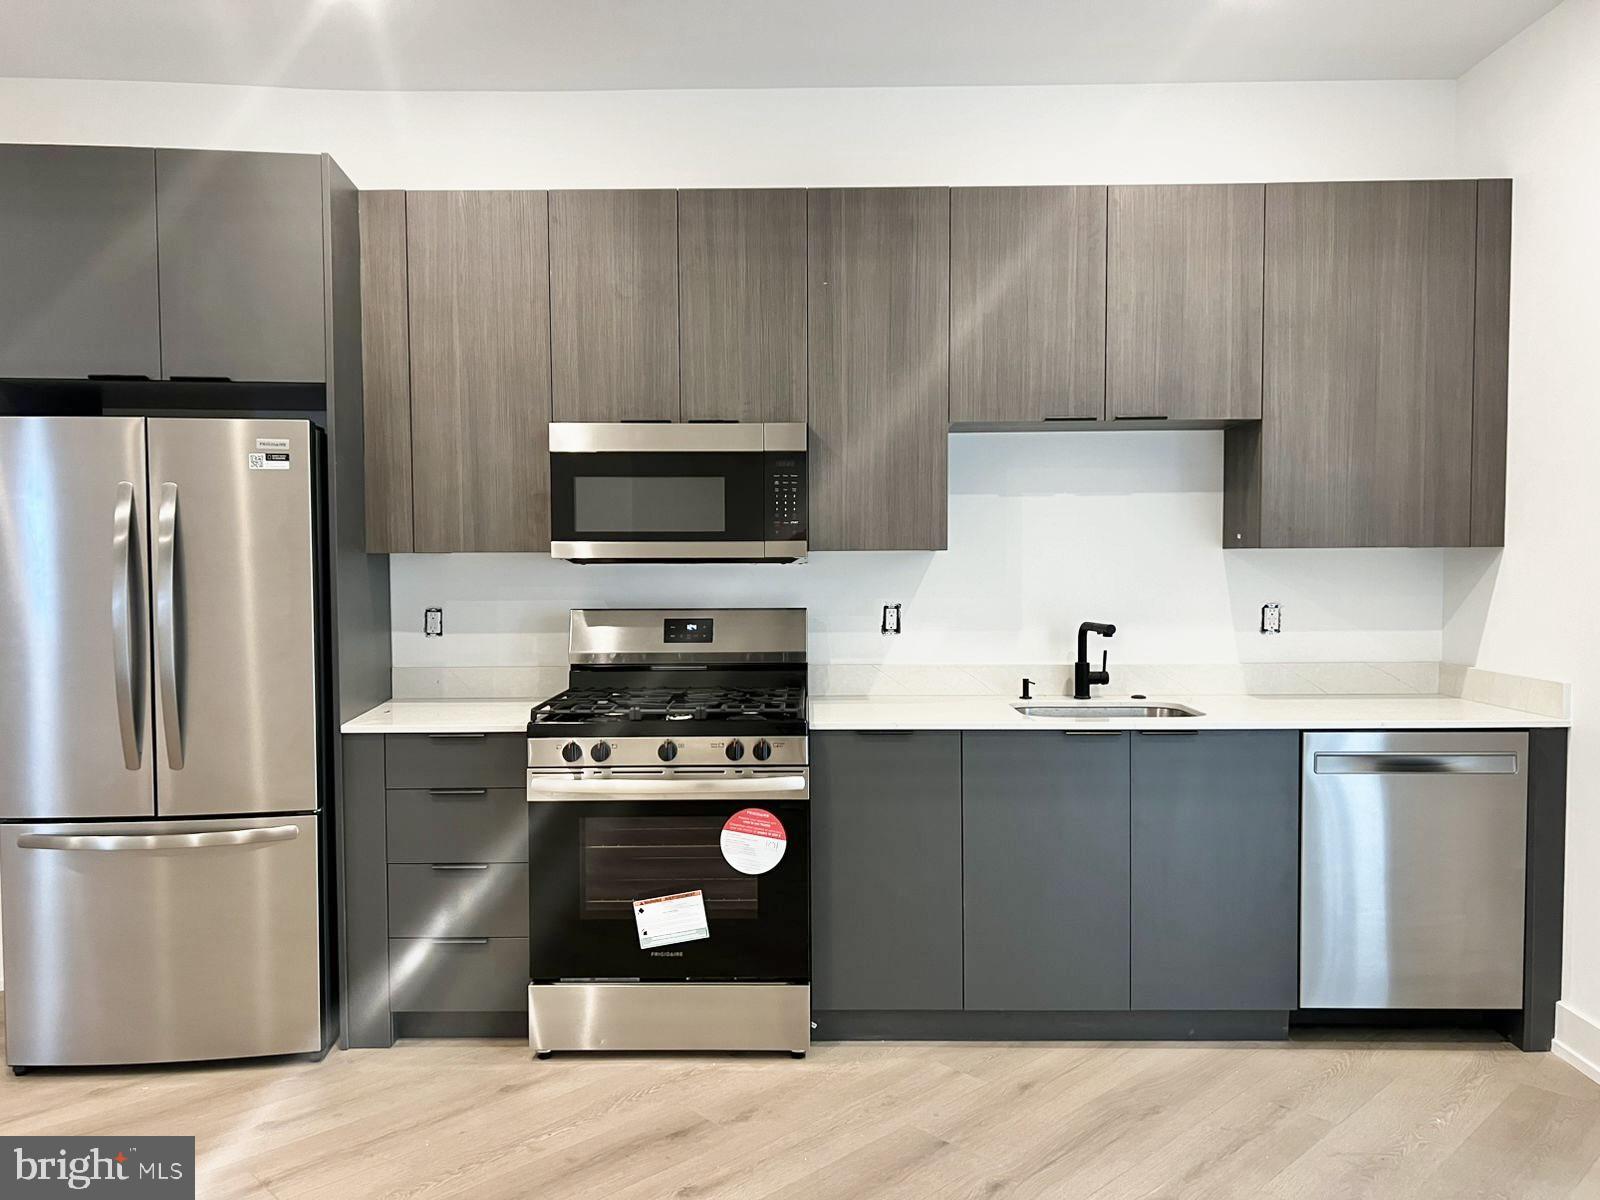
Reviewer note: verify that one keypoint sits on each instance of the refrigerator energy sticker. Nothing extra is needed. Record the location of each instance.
(666, 920)
(753, 841)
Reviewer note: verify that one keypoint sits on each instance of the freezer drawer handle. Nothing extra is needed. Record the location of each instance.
(255, 836)
(1416, 764)
(542, 787)
(126, 626)
(167, 623)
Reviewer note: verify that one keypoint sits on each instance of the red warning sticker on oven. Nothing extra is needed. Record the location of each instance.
(753, 841)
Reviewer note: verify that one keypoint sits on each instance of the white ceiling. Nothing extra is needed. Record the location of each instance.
(605, 44)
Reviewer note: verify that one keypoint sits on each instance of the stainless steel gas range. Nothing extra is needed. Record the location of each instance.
(668, 824)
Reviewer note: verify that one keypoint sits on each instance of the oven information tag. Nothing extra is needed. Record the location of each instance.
(753, 841)
(664, 920)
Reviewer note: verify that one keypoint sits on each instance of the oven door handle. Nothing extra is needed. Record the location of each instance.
(543, 788)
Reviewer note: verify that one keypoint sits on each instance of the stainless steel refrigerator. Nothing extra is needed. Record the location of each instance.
(160, 752)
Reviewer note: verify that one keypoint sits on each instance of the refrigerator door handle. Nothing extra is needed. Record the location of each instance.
(167, 623)
(126, 594)
(254, 836)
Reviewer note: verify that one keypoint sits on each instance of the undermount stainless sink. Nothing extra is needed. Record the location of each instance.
(1106, 711)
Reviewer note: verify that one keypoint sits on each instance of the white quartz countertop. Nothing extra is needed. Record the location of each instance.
(995, 712)
(1217, 712)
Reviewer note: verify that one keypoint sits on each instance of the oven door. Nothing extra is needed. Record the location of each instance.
(598, 846)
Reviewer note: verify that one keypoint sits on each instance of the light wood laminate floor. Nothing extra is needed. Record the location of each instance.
(1320, 1118)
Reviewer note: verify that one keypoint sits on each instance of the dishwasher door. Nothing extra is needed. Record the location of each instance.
(1412, 869)
(160, 941)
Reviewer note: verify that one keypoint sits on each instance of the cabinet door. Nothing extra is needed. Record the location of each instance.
(1045, 871)
(886, 871)
(386, 371)
(1216, 854)
(78, 260)
(878, 296)
(742, 301)
(614, 305)
(1184, 279)
(1366, 436)
(242, 291)
(1027, 304)
(480, 370)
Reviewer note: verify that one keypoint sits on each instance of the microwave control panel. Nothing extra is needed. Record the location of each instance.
(786, 497)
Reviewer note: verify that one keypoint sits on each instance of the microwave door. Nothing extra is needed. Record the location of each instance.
(75, 736)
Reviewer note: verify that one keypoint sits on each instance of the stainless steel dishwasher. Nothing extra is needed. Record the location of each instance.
(1412, 870)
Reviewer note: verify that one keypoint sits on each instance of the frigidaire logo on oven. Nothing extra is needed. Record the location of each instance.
(666, 954)
(150, 1167)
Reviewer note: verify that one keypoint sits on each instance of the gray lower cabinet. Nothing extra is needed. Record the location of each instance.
(434, 881)
(1045, 858)
(742, 304)
(1216, 851)
(1366, 437)
(1027, 304)
(878, 300)
(1183, 309)
(614, 305)
(886, 871)
(78, 260)
(242, 287)
(479, 296)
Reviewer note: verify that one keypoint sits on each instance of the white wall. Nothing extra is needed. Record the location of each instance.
(1532, 111)
(843, 136)
(1046, 530)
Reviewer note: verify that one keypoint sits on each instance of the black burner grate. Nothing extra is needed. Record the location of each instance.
(711, 705)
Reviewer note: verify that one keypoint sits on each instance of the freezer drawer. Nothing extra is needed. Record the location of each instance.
(160, 941)
(1413, 870)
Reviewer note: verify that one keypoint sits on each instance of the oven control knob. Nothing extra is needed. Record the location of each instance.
(572, 752)
(762, 750)
(735, 750)
(600, 751)
(667, 751)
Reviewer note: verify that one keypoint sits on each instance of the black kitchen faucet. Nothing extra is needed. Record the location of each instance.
(1083, 676)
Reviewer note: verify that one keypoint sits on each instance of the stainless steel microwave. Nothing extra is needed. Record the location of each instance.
(669, 492)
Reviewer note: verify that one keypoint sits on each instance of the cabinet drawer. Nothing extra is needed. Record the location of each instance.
(462, 825)
(473, 975)
(436, 760)
(460, 900)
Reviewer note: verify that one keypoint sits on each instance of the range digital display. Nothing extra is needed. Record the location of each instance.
(686, 629)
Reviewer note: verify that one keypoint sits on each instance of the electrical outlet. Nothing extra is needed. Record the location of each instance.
(891, 619)
(433, 622)
(1271, 618)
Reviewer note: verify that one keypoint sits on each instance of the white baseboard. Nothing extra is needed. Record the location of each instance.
(1577, 1040)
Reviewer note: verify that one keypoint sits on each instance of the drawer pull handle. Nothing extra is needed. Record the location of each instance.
(460, 866)
(459, 941)
(444, 737)
(458, 791)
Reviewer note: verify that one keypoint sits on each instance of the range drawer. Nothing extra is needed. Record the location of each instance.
(463, 825)
(456, 760)
(467, 975)
(459, 900)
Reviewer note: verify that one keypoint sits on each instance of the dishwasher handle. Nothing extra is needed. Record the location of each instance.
(1343, 763)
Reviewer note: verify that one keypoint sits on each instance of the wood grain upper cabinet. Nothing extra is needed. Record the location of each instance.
(742, 304)
(1183, 285)
(242, 286)
(614, 305)
(386, 371)
(878, 296)
(1027, 304)
(480, 370)
(78, 260)
(1366, 433)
